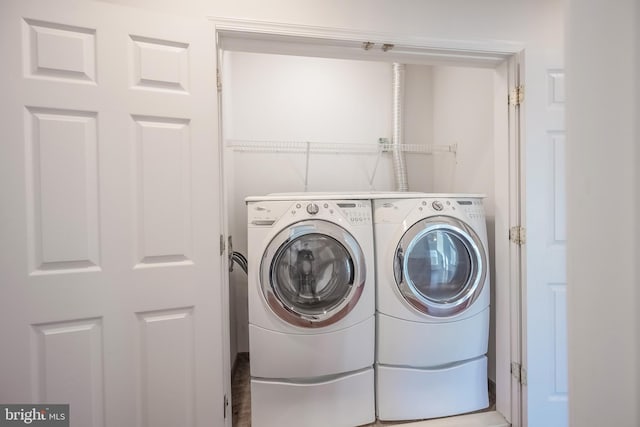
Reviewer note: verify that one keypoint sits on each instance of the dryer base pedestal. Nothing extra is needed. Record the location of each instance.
(404, 393)
(439, 343)
(345, 401)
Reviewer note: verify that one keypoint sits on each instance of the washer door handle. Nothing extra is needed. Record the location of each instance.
(398, 263)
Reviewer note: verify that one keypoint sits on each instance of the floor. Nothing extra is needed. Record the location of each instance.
(241, 391)
(241, 397)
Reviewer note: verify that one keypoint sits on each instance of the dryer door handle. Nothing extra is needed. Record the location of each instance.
(398, 265)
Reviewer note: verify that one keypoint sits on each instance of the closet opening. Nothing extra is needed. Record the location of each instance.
(304, 110)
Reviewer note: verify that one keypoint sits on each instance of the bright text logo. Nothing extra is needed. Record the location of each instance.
(34, 415)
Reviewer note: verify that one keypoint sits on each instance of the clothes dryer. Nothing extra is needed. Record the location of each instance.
(311, 310)
(432, 274)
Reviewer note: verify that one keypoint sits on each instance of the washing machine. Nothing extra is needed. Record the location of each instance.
(311, 310)
(432, 274)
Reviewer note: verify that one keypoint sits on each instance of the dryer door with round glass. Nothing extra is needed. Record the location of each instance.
(440, 266)
(312, 273)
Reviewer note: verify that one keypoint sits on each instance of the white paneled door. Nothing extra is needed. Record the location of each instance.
(546, 316)
(111, 298)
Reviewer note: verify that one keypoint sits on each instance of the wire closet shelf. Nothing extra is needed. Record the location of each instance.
(307, 147)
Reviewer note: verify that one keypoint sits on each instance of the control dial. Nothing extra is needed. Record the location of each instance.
(437, 205)
(312, 208)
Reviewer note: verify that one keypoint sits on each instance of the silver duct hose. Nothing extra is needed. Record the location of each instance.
(399, 164)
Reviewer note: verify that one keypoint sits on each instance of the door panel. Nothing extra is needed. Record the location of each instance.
(157, 328)
(162, 200)
(111, 278)
(62, 189)
(54, 345)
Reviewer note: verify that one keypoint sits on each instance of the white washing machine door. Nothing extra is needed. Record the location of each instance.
(440, 266)
(312, 273)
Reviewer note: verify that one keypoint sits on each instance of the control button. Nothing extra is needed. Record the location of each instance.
(312, 209)
(298, 205)
(437, 205)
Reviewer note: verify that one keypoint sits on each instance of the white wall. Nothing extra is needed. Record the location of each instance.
(463, 115)
(296, 98)
(514, 20)
(418, 125)
(603, 194)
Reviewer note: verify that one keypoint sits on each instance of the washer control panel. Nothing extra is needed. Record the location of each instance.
(266, 214)
(356, 212)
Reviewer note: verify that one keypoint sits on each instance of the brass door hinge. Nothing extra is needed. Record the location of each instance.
(518, 235)
(219, 79)
(225, 405)
(519, 373)
(222, 245)
(516, 96)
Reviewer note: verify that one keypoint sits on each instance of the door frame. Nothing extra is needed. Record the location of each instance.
(505, 58)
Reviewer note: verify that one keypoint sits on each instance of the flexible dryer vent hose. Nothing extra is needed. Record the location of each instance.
(399, 164)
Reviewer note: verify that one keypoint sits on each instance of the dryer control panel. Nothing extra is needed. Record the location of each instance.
(392, 211)
(473, 208)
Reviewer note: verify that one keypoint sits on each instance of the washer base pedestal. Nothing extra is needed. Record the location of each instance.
(344, 401)
(282, 355)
